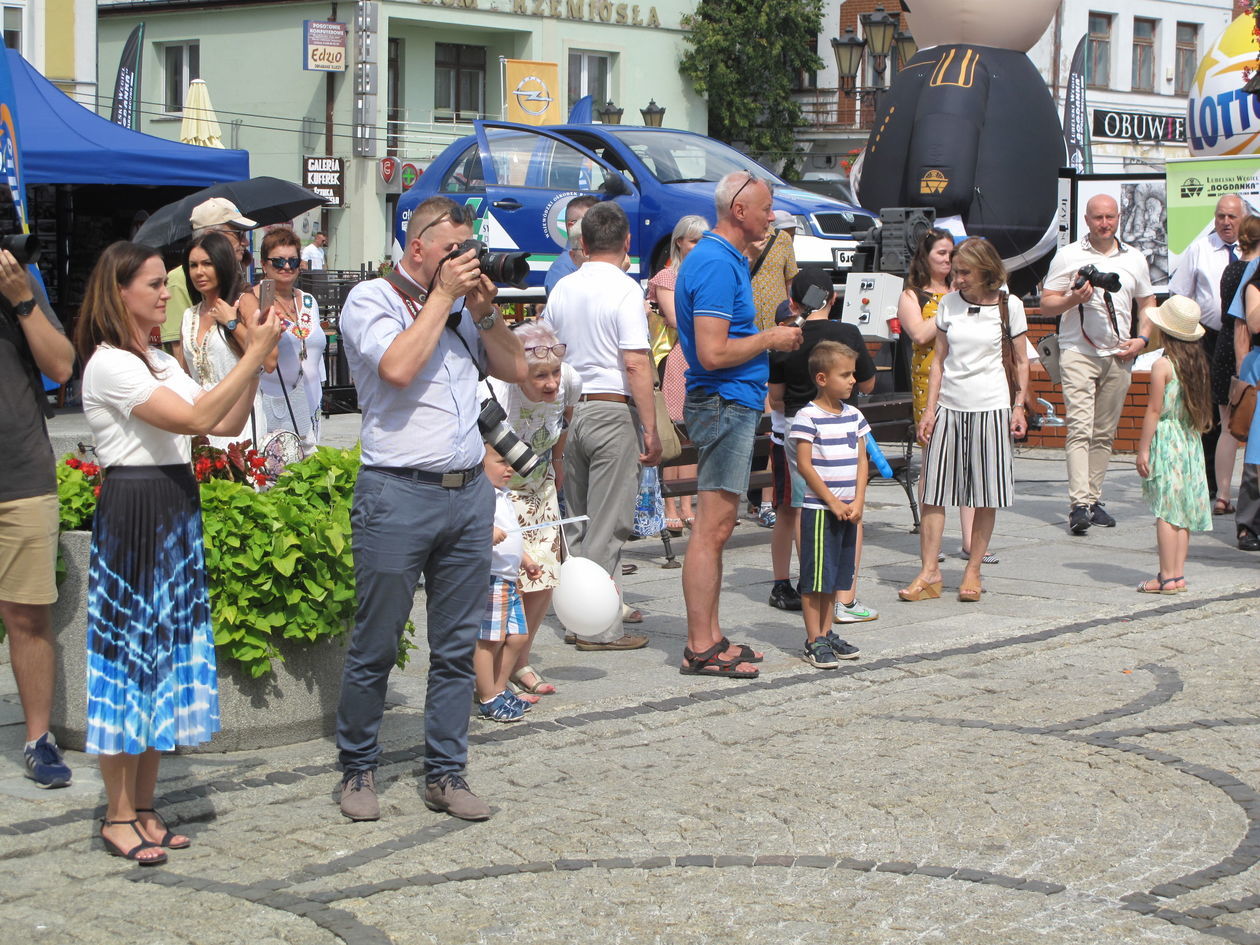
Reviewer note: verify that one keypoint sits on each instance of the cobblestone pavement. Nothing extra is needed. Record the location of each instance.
(1065, 762)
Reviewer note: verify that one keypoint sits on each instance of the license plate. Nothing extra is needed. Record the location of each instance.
(842, 258)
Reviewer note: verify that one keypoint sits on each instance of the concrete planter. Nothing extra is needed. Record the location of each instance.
(296, 702)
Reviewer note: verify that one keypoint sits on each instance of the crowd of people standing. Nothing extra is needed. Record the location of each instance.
(435, 503)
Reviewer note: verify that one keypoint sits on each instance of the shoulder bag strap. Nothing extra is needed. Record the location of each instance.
(756, 266)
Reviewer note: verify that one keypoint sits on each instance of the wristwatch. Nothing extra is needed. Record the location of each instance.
(24, 308)
(231, 326)
(485, 324)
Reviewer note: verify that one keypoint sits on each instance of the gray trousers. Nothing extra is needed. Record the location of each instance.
(601, 463)
(403, 529)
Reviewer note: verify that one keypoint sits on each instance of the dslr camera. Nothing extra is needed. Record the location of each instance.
(492, 422)
(1107, 281)
(502, 268)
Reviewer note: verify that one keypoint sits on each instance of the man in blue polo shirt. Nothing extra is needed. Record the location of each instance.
(726, 395)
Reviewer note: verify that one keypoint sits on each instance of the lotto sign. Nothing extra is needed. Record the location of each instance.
(1222, 118)
(324, 46)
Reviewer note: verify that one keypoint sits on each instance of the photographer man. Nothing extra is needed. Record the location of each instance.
(1097, 348)
(417, 343)
(31, 341)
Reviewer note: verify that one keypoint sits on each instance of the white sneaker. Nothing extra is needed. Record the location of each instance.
(854, 613)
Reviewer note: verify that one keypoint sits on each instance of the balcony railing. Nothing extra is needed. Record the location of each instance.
(829, 110)
(422, 140)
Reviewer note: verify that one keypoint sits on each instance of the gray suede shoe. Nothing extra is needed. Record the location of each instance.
(450, 794)
(358, 796)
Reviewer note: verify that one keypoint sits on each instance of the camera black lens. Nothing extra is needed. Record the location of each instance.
(24, 247)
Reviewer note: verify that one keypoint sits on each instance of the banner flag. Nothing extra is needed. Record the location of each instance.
(126, 108)
(1075, 121)
(531, 89)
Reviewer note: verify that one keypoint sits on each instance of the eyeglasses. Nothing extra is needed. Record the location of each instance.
(460, 215)
(751, 178)
(540, 352)
(284, 262)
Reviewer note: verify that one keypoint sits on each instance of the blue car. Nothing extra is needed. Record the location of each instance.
(519, 178)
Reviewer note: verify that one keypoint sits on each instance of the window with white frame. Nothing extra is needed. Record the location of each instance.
(181, 63)
(12, 23)
(590, 73)
(1143, 77)
(1098, 61)
(1187, 57)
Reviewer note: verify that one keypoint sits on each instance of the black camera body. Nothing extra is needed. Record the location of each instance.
(502, 268)
(1107, 281)
(492, 422)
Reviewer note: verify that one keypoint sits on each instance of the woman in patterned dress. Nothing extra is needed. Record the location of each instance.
(213, 334)
(151, 682)
(539, 409)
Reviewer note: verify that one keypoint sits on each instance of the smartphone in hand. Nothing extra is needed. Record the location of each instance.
(266, 297)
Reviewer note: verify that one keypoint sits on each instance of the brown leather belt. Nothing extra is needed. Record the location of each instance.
(611, 398)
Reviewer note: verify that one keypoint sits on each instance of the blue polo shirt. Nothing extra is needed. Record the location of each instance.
(714, 283)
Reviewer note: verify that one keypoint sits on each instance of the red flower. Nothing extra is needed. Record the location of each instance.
(74, 463)
(96, 491)
(260, 479)
(90, 469)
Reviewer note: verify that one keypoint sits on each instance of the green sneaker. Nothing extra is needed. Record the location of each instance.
(854, 613)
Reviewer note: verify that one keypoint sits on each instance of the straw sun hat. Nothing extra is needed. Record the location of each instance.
(1178, 317)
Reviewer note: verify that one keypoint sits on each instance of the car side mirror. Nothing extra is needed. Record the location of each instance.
(615, 185)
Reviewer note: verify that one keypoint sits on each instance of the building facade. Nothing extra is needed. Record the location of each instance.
(57, 37)
(417, 72)
(1140, 59)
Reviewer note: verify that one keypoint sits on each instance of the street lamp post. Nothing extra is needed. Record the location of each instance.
(653, 115)
(610, 114)
(881, 34)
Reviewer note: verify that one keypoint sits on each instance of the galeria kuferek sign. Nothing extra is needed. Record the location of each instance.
(589, 11)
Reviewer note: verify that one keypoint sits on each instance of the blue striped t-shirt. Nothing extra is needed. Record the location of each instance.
(835, 439)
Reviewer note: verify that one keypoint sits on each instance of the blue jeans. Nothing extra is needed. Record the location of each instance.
(403, 529)
(723, 433)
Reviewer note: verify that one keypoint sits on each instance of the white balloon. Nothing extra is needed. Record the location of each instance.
(586, 600)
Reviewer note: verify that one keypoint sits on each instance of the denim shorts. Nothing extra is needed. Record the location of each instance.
(723, 433)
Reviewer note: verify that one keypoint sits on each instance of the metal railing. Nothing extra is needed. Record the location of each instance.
(827, 109)
(422, 139)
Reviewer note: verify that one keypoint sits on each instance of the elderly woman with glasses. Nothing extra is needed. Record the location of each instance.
(291, 390)
(539, 409)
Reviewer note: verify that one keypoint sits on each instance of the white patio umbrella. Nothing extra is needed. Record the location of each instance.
(200, 125)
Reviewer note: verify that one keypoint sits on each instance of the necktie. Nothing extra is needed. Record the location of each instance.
(1233, 256)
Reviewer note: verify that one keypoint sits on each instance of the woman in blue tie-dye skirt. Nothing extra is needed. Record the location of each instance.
(151, 681)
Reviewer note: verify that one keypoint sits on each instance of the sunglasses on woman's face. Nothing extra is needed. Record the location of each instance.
(540, 352)
(284, 262)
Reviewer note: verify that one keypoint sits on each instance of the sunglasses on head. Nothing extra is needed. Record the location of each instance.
(284, 262)
(460, 215)
(540, 352)
(751, 178)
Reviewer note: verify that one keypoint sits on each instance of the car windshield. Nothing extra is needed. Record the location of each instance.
(676, 159)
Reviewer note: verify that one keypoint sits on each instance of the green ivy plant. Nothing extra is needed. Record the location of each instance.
(278, 562)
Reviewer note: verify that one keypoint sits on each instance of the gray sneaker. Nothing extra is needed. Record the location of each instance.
(358, 796)
(449, 794)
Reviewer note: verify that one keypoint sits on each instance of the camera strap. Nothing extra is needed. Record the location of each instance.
(1111, 314)
(403, 287)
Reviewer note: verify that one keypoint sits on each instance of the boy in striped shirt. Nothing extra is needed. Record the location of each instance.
(829, 437)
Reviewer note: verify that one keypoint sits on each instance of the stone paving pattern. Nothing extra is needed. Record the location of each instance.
(1065, 762)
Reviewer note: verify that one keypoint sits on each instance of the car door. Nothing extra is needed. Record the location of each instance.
(530, 176)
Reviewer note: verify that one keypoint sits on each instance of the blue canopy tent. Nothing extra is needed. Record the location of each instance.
(63, 143)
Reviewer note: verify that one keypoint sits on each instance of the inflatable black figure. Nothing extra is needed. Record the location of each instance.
(970, 129)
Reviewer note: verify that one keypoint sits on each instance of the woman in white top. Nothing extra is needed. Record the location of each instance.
(151, 681)
(970, 416)
(212, 334)
(539, 409)
(292, 389)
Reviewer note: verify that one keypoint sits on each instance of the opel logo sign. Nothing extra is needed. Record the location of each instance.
(532, 95)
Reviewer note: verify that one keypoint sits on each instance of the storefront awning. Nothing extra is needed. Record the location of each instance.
(64, 143)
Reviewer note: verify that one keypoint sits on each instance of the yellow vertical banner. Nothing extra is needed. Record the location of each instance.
(533, 90)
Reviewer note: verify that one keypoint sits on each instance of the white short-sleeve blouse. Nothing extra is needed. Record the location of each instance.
(115, 382)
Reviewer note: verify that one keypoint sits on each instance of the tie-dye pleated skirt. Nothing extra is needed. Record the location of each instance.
(151, 680)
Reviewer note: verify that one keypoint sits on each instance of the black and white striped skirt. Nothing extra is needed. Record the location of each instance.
(969, 460)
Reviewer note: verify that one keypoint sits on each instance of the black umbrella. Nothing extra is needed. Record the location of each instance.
(265, 200)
